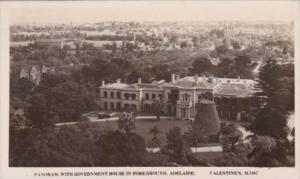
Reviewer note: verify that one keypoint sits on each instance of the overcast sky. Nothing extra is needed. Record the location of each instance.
(83, 12)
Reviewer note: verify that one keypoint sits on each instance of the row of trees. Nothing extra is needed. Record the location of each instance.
(238, 66)
(85, 144)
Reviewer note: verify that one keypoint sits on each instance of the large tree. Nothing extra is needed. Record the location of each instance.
(66, 97)
(158, 106)
(38, 113)
(127, 122)
(155, 131)
(67, 146)
(120, 149)
(176, 147)
(201, 65)
(271, 118)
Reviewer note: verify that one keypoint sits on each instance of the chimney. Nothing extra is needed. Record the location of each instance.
(103, 83)
(118, 80)
(211, 79)
(177, 77)
(139, 80)
(62, 45)
(173, 78)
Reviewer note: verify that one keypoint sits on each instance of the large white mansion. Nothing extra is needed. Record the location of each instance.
(179, 97)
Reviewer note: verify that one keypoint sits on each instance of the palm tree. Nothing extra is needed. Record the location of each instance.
(155, 131)
(127, 122)
(158, 106)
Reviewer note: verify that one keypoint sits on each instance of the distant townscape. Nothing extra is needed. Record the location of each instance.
(217, 93)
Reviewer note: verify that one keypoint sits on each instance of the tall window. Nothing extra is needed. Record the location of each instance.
(105, 105)
(160, 96)
(169, 96)
(183, 112)
(185, 97)
(112, 94)
(126, 95)
(147, 95)
(200, 98)
(119, 95)
(153, 95)
(133, 96)
(105, 94)
(112, 105)
(118, 106)
(126, 106)
(133, 107)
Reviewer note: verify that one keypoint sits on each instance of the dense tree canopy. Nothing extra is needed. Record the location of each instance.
(201, 66)
(71, 90)
(271, 119)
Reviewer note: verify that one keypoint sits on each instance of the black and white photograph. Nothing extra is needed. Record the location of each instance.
(152, 84)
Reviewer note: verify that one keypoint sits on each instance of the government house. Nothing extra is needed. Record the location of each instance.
(178, 98)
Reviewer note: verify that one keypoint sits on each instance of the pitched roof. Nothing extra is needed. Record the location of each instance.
(229, 85)
(116, 85)
(25, 69)
(36, 67)
(190, 82)
(238, 90)
(145, 86)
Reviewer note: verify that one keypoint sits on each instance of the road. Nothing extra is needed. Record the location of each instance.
(96, 119)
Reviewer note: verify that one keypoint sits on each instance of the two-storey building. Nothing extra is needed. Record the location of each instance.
(120, 96)
(180, 95)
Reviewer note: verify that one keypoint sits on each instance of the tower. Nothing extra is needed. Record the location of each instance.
(227, 34)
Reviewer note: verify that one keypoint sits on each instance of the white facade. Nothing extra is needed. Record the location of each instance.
(179, 97)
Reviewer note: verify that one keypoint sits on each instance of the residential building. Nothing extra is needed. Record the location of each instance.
(34, 72)
(179, 96)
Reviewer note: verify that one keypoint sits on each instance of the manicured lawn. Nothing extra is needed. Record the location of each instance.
(144, 125)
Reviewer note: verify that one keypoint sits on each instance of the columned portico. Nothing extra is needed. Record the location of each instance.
(183, 112)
